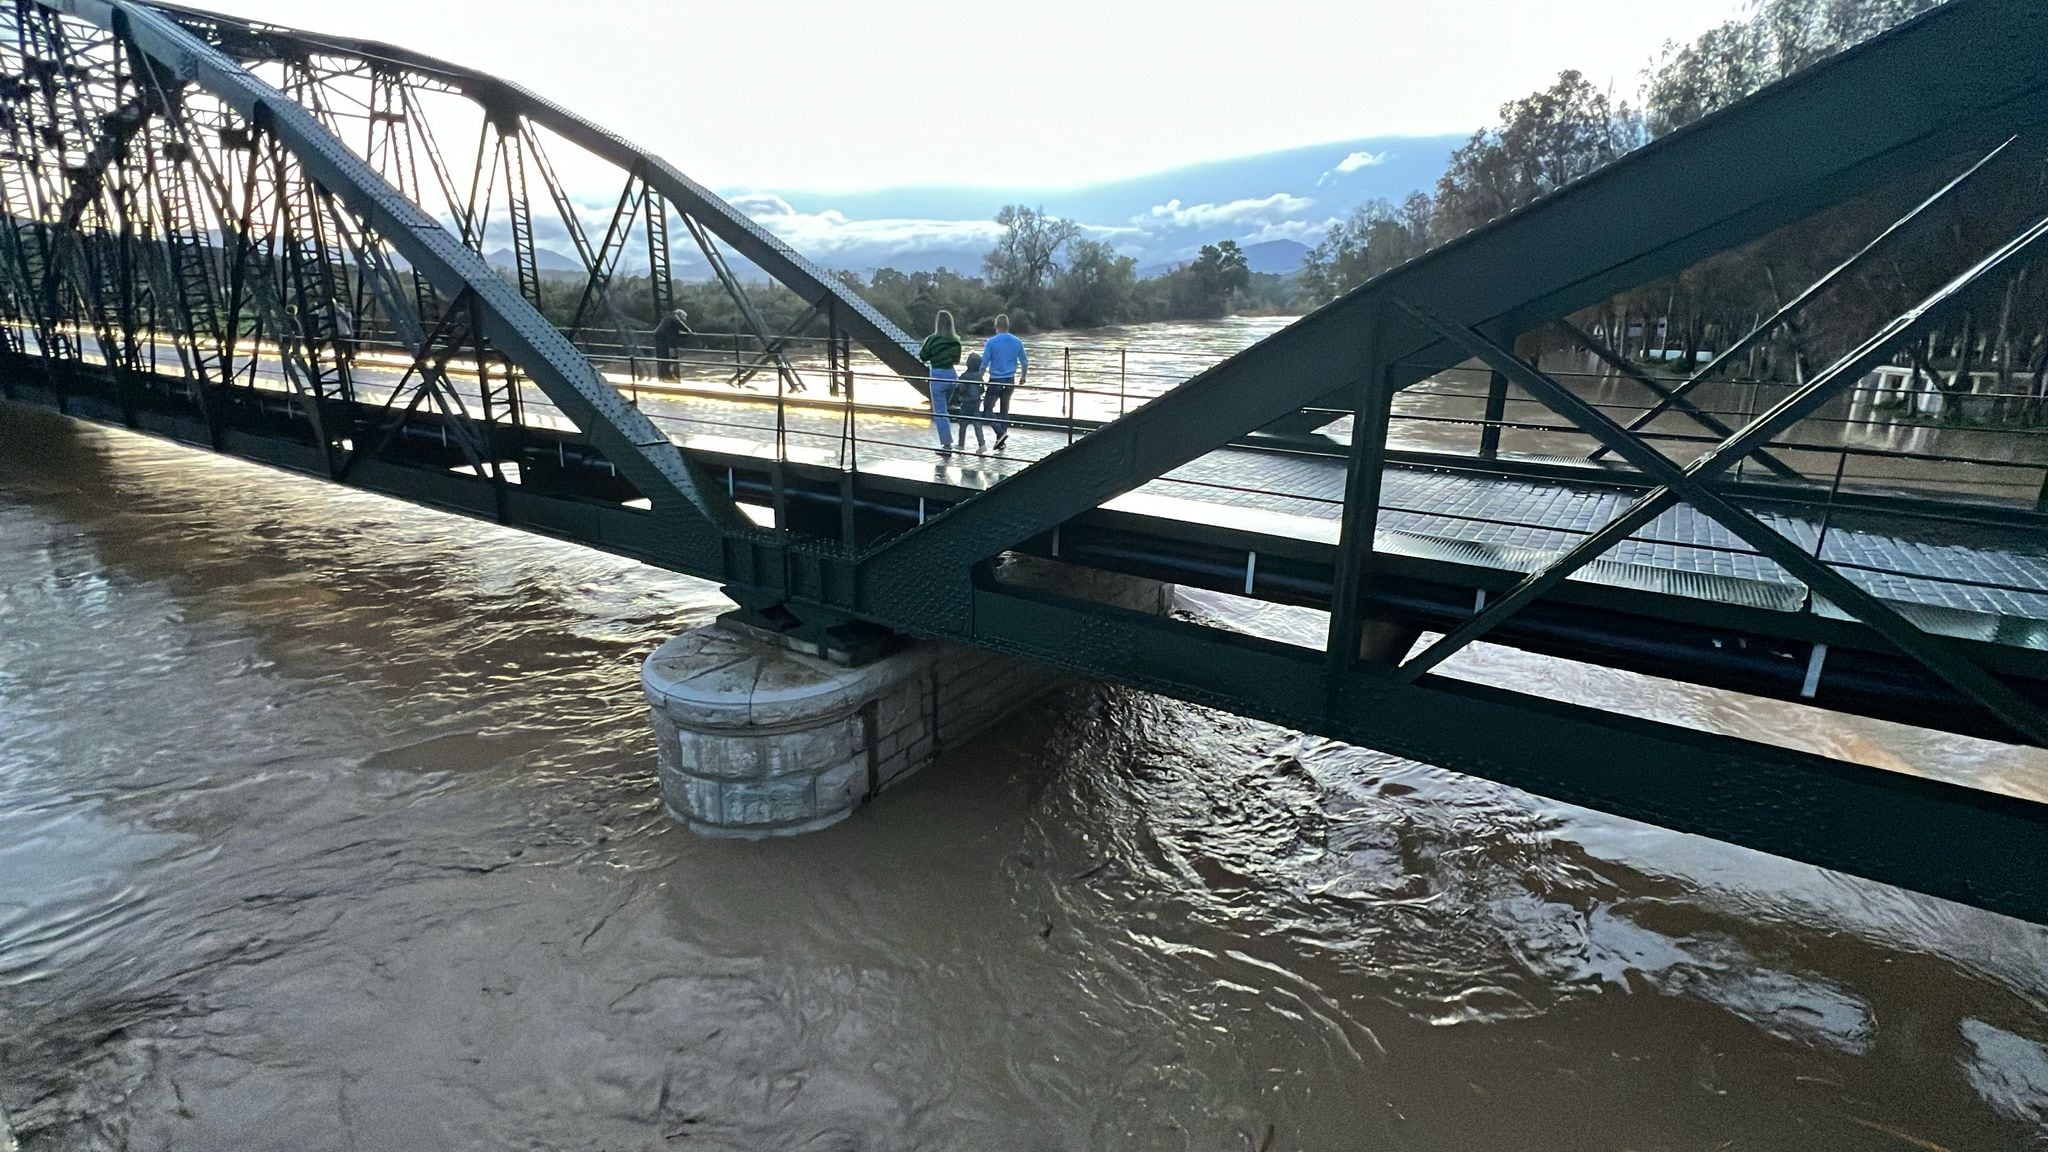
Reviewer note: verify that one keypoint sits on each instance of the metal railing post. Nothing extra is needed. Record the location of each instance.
(1067, 376)
(1496, 412)
(852, 407)
(839, 367)
(1827, 515)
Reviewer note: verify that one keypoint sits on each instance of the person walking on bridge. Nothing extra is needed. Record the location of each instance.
(941, 350)
(668, 340)
(1003, 356)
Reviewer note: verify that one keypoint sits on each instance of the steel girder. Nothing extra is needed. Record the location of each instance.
(502, 98)
(1692, 485)
(699, 517)
(1959, 843)
(1959, 79)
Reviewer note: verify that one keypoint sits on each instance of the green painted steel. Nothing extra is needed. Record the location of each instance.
(255, 40)
(1958, 80)
(856, 546)
(1958, 843)
(698, 516)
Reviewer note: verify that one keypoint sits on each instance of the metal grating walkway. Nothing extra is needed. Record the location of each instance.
(1957, 577)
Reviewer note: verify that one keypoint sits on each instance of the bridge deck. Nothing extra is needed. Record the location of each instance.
(1947, 572)
(1954, 575)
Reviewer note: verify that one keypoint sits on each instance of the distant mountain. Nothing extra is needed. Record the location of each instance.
(1274, 203)
(545, 259)
(1281, 257)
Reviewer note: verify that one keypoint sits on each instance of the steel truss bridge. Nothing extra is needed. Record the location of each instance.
(280, 246)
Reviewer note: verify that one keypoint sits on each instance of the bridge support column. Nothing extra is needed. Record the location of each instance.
(760, 737)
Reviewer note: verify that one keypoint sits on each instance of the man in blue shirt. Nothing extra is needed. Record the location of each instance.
(1003, 357)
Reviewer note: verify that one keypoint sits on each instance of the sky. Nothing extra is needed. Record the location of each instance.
(1049, 94)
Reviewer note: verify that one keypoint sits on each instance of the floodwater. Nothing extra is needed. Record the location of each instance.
(331, 823)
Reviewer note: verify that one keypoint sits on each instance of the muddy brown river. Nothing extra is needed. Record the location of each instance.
(331, 823)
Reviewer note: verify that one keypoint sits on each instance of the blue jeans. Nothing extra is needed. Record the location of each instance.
(941, 393)
(997, 397)
(966, 404)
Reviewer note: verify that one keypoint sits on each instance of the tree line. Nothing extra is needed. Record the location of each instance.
(1044, 273)
(1552, 137)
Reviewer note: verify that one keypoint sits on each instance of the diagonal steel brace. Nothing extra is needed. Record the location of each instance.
(1690, 485)
(1792, 307)
(1669, 397)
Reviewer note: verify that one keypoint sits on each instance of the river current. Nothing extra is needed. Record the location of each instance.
(329, 822)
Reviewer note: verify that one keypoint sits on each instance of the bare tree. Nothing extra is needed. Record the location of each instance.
(1025, 258)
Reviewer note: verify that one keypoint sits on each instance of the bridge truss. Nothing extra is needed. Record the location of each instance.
(207, 220)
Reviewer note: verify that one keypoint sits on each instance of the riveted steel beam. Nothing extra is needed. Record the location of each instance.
(699, 516)
(877, 333)
(1958, 843)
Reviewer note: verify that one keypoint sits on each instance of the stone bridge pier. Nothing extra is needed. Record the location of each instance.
(761, 734)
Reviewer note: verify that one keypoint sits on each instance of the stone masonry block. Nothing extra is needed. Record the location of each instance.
(757, 740)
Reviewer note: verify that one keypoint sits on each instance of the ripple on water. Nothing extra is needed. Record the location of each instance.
(324, 819)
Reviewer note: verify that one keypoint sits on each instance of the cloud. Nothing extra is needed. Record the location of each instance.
(1113, 231)
(1357, 160)
(1353, 163)
(829, 233)
(1237, 212)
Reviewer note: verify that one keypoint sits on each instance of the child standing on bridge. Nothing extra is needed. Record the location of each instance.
(941, 350)
(966, 401)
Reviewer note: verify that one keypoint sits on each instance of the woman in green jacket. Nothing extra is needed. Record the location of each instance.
(941, 350)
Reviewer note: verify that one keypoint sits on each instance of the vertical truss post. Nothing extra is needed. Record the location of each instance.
(391, 152)
(34, 132)
(23, 209)
(661, 284)
(519, 209)
(1362, 480)
(315, 279)
(838, 368)
(1496, 412)
(84, 152)
(236, 224)
(191, 263)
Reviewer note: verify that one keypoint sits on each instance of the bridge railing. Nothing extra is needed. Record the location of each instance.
(1890, 433)
(1988, 444)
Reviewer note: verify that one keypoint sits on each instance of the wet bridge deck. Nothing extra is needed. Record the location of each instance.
(1972, 577)
(1965, 577)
